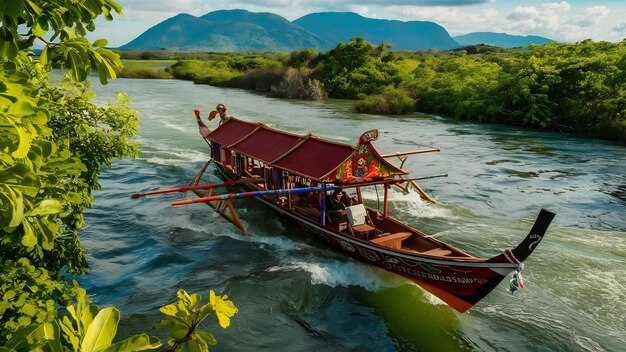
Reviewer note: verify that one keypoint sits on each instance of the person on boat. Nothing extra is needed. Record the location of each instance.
(204, 129)
(220, 110)
(336, 205)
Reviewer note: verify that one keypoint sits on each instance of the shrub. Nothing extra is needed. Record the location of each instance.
(296, 84)
(392, 101)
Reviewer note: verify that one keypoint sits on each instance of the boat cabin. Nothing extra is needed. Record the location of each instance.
(270, 159)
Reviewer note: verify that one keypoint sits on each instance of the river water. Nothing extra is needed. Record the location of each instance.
(294, 294)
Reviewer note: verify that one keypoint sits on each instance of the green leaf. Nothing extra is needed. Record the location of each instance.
(29, 309)
(29, 239)
(101, 331)
(44, 337)
(100, 43)
(208, 338)
(46, 207)
(169, 309)
(224, 309)
(66, 326)
(43, 58)
(25, 337)
(24, 140)
(195, 346)
(12, 7)
(135, 343)
(179, 332)
(50, 332)
(16, 208)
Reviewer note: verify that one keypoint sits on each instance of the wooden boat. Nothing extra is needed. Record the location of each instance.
(292, 174)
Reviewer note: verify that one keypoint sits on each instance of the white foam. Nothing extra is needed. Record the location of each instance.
(175, 156)
(409, 203)
(182, 128)
(341, 274)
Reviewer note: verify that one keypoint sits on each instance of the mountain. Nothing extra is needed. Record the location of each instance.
(502, 40)
(226, 30)
(341, 26)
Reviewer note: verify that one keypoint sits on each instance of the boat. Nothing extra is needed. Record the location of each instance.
(293, 175)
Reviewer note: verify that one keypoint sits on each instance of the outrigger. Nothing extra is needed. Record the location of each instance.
(292, 174)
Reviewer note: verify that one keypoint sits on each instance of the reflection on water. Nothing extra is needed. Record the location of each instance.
(294, 294)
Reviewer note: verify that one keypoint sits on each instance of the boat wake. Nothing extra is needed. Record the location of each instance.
(342, 274)
(407, 204)
(171, 156)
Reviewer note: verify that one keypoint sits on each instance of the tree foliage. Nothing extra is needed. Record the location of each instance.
(352, 69)
(53, 142)
(565, 87)
(86, 328)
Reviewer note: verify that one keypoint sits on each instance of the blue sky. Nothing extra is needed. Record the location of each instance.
(569, 21)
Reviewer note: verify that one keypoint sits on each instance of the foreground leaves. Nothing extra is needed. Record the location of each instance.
(86, 329)
(185, 316)
(53, 143)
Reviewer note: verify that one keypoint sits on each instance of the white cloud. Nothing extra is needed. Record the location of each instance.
(526, 19)
(620, 28)
(591, 17)
(562, 6)
(454, 20)
(361, 10)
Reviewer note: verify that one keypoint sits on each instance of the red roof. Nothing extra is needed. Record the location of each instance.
(307, 156)
(231, 131)
(315, 158)
(267, 144)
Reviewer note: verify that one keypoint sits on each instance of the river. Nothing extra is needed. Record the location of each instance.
(294, 294)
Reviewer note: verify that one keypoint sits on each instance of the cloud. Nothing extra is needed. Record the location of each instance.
(620, 28)
(591, 17)
(361, 10)
(454, 20)
(336, 3)
(524, 19)
(420, 2)
(562, 6)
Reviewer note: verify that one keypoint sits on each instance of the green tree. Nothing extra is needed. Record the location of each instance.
(352, 69)
(53, 142)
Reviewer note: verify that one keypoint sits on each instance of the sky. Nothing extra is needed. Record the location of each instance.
(567, 21)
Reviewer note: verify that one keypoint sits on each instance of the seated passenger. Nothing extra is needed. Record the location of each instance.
(335, 207)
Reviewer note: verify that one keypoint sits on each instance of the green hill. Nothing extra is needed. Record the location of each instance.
(226, 31)
(502, 40)
(413, 35)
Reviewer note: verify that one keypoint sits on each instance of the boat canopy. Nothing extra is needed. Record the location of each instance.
(305, 155)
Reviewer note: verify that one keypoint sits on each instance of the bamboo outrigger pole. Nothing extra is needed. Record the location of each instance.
(249, 194)
(187, 188)
(399, 154)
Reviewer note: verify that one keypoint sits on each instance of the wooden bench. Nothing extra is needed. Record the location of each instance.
(438, 252)
(392, 241)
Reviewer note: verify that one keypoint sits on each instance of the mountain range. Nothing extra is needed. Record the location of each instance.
(502, 40)
(241, 30)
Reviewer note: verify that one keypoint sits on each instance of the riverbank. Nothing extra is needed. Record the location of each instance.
(574, 88)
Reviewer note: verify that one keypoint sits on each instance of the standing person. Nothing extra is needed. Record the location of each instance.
(220, 109)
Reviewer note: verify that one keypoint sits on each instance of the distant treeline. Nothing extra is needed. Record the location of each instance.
(577, 88)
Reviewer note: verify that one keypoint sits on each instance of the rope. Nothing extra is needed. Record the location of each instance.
(510, 257)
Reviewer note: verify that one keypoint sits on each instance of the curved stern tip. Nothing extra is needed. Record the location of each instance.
(524, 249)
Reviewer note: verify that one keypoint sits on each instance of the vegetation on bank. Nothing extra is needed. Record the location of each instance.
(54, 142)
(578, 88)
(153, 69)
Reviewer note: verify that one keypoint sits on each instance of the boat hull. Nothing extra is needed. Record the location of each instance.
(459, 281)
